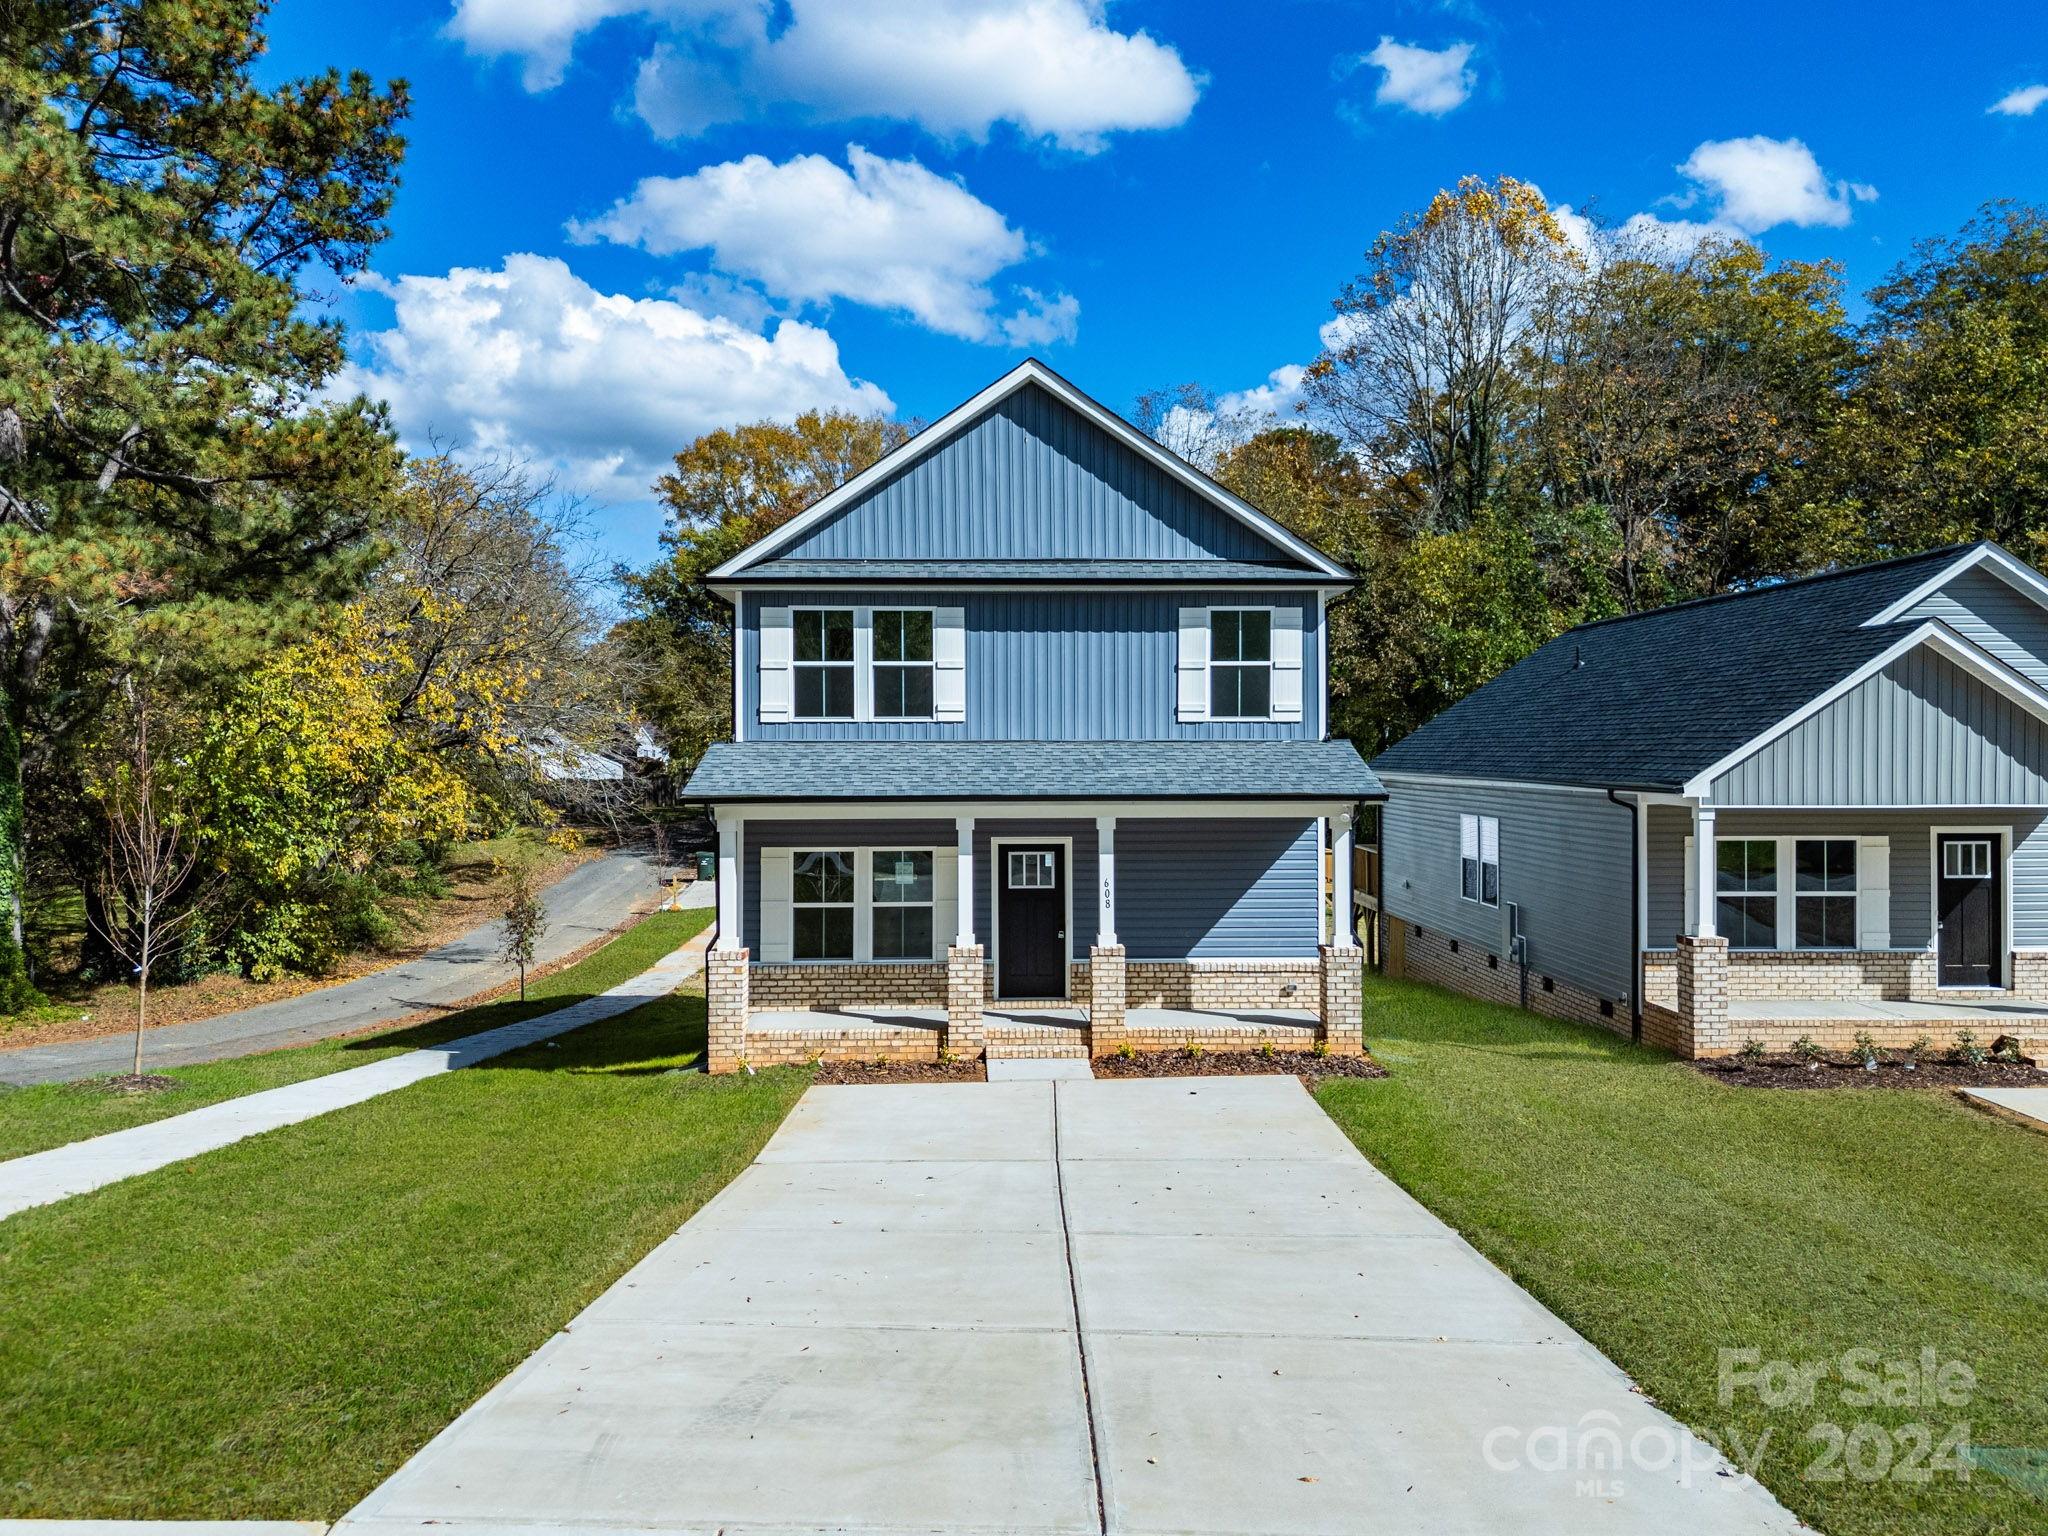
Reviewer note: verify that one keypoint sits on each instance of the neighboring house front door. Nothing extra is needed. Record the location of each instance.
(1031, 921)
(1971, 917)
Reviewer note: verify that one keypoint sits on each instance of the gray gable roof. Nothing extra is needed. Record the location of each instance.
(1650, 700)
(735, 771)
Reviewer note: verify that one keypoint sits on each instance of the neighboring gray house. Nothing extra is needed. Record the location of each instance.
(1815, 808)
(1031, 756)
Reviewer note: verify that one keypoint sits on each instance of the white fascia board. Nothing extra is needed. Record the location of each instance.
(2015, 572)
(1013, 810)
(1933, 634)
(1398, 777)
(1030, 371)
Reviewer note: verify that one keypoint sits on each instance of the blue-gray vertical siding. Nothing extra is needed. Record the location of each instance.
(1220, 888)
(1910, 839)
(1032, 480)
(1994, 614)
(1920, 732)
(1564, 857)
(1050, 666)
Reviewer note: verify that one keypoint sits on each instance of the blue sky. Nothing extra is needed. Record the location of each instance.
(623, 224)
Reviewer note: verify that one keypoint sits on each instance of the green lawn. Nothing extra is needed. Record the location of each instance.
(271, 1329)
(32, 1119)
(1666, 1216)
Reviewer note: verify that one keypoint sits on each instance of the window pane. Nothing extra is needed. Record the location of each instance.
(917, 692)
(1747, 922)
(810, 692)
(838, 693)
(810, 636)
(1746, 865)
(823, 877)
(1489, 884)
(1255, 692)
(822, 933)
(1223, 693)
(839, 635)
(1827, 922)
(917, 635)
(1223, 636)
(1826, 864)
(1470, 885)
(1256, 635)
(902, 876)
(903, 933)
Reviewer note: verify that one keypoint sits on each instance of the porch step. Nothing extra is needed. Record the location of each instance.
(1038, 1050)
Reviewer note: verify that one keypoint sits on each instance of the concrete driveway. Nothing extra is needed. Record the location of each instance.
(1178, 1305)
(585, 904)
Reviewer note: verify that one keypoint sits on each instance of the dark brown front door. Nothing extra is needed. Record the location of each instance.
(1968, 890)
(1031, 920)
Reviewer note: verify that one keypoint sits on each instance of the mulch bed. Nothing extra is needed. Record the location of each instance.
(900, 1072)
(132, 1083)
(1847, 1072)
(1306, 1065)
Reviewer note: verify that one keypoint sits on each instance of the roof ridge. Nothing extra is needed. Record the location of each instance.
(1778, 586)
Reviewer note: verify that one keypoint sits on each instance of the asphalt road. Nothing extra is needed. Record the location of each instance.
(584, 904)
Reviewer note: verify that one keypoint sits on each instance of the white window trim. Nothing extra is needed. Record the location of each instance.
(995, 912)
(795, 666)
(2004, 836)
(873, 661)
(1479, 837)
(864, 903)
(1786, 939)
(1209, 681)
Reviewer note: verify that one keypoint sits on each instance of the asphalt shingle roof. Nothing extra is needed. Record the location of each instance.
(1029, 770)
(1064, 572)
(1649, 700)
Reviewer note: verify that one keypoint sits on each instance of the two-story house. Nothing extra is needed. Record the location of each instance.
(1031, 756)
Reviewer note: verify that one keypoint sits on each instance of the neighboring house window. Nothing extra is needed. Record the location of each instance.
(1746, 892)
(824, 663)
(1824, 889)
(1240, 663)
(1479, 859)
(903, 663)
(821, 888)
(902, 893)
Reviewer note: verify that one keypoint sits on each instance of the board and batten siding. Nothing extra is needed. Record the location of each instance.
(1031, 479)
(1993, 614)
(1050, 666)
(1908, 833)
(1920, 732)
(1565, 857)
(1233, 889)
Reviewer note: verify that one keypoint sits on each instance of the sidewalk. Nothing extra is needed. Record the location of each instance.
(43, 1177)
(585, 904)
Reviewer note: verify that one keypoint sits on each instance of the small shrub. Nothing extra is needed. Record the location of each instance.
(1752, 1052)
(1866, 1050)
(1196, 1048)
(1320, 1048)
(1920, 1046)
(1808, 1050)
(817, 1060)
(1125, 1050)
(1968, 1049)
(2006, 1049)
(1266, 1050)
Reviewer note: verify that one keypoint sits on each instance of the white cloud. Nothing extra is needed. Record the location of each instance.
(886, 233)
(1431, 81)
(1760, 182)
(1054, 68)
(2024, 102)
(528, 360)
(1278, 396)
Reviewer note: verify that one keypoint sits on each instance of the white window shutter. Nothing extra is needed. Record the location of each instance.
(1194, 664)
(778, 692)
(1692, 887)
(1286, 663)
(945, 899)
(777, 918)
(949, 664)
(1874, 893)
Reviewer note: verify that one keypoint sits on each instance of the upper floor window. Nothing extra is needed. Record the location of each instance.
(1479, 859)
(903, 663)
(1240, 663)
(824, 663)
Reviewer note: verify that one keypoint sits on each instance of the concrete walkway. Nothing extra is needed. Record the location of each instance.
(1176, 1305)
(585, 904)
(2029, 1105)
(44, 1177)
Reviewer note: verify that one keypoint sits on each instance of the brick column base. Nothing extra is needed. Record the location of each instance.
(965, 980)
(726, 1004)
(1342, 1026)
(1703, 1023)
(1105, 999)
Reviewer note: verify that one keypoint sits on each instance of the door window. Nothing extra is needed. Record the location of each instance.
(1966, 859)
(1031, 871)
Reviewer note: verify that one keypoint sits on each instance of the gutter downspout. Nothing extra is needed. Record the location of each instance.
(1635, 937)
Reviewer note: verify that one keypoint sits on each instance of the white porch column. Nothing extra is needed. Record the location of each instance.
(963, 826)
(1703, 862)
(731, 835)
(1105, 875)
(1342, 916)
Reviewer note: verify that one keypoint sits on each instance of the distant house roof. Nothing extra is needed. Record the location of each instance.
(1031, 373)
(1650, 700)
(733, 771)
(1033, 572)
